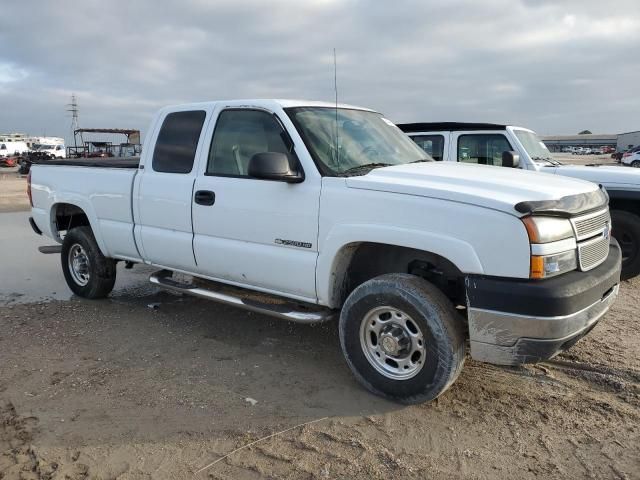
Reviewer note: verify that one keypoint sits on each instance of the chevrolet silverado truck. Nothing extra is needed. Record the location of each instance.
(484, 143)
(309, 211)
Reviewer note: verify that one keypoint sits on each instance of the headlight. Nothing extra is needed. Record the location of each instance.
(547, 229)
(545, 266)
(553, 246)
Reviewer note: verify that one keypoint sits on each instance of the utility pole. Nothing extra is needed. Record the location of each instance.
(73, 109)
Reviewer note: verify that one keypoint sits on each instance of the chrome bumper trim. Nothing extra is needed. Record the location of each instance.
(494, 335)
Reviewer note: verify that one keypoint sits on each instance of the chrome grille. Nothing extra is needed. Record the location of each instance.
(593, 252)
(590, 225)
(592, 234)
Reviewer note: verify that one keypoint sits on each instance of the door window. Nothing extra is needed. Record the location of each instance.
(432, 144)
(177, 141)
(484, 149)
(239, 135)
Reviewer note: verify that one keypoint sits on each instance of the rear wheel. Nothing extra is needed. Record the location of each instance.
(402, 338)
(626, 230)
(635, 164)
(87, 271)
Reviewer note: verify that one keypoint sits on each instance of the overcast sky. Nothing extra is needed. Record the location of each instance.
(554, 66)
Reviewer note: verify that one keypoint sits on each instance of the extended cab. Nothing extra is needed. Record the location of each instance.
(484, 143)
(308, 211)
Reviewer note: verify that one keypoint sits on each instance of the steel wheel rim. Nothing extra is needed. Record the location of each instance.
(79, 265)
(392, 342)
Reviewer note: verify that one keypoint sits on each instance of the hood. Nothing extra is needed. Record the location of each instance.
(609, 176)
(492, 187)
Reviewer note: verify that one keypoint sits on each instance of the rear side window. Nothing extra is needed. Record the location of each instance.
(177, 141)
(432, 144)
(484, 149)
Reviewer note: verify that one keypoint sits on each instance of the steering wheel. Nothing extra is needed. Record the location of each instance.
(370, 151)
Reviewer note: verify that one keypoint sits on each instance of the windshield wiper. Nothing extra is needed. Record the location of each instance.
(422, 160)
(360, 168)
(546, 159)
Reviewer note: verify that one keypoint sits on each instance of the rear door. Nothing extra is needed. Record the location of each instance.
(255, 232)
(163, 190)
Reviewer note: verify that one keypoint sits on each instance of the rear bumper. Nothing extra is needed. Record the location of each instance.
(512, 322)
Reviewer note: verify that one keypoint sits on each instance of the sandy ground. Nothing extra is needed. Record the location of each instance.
(147, 384)
(13, 191)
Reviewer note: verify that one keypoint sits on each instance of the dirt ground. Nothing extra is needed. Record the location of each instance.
(13, 189)
(153, 385)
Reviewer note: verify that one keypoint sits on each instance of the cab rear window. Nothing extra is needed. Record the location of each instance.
(177, 141)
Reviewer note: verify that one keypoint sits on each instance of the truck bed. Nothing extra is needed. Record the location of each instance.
(106, 162)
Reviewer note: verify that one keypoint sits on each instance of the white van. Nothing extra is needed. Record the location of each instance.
(8, 149)
(56, 151)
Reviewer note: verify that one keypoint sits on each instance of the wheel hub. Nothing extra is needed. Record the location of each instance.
(79, 265)
(393, 340)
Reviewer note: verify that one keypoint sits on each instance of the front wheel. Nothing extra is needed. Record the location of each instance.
(87, 271)
(635, 164)
(626, 230)
(402, 338)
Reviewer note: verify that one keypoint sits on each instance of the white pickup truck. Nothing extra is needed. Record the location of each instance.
(484, 143)
(308, 211)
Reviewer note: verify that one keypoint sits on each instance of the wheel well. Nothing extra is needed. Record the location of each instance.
(626, 204)
(68, 216)
(360, 262)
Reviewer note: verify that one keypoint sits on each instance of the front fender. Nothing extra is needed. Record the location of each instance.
(341, 237)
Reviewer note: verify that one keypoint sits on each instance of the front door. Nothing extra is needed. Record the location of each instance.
(248, 231)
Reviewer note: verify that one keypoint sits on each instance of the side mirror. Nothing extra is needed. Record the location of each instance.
(273, 166)
(510, 159)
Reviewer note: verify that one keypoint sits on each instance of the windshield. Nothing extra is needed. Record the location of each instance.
(535, 147)
(365, 140)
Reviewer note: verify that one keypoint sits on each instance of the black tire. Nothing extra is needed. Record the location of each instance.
(626, 230)
(437, 321)
(100, 271)
(635, 164)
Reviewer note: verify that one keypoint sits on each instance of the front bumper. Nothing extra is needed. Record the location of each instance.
(512, 322)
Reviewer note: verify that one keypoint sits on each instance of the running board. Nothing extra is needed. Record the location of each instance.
(49, 249)
(258, 302)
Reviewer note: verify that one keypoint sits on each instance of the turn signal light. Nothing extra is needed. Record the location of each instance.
(537, 267)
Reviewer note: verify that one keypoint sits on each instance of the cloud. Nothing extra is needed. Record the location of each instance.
(557, 67)
(10, 73)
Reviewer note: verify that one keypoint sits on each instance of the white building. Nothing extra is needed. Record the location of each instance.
(628, 140)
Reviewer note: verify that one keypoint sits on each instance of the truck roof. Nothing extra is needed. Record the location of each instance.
(270, 103)
(448, 126)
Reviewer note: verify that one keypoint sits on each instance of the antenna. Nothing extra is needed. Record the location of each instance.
(335, 87)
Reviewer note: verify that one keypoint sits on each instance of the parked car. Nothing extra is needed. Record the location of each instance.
(632, 158)
(488, 141)
(54, 151)
(10, 161)
(308, 211)
(578, 151)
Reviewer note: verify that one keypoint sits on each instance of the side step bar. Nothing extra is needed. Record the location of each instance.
(49, 249)
(258, 302)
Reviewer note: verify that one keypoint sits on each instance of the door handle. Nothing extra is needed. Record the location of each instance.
(204, 197)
